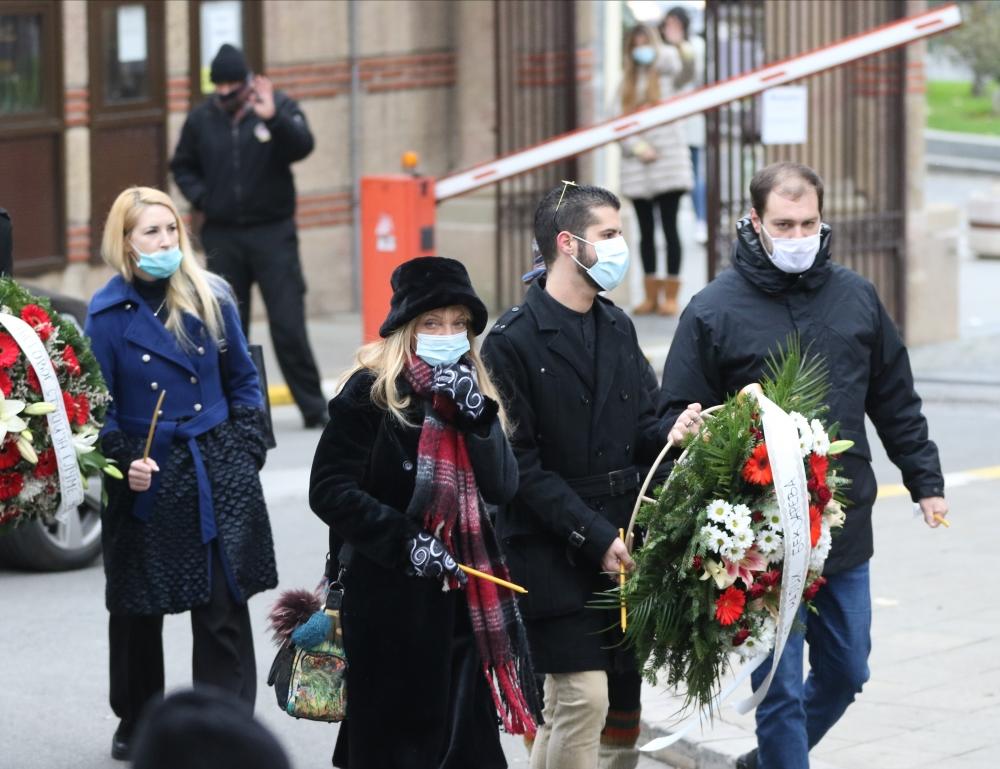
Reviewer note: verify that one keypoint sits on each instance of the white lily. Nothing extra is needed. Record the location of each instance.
(26, 449)
(84, 440)
(10, 422)
(39, 407)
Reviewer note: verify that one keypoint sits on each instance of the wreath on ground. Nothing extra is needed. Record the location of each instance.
(29, 474)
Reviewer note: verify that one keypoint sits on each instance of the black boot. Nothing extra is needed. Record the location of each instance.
(747, 760)
(121, 741)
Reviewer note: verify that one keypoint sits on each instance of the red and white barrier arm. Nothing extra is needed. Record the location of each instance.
(884, 38)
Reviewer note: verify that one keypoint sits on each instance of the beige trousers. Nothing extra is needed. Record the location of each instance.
(576, 705)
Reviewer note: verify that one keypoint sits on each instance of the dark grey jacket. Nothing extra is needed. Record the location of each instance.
(727, 331)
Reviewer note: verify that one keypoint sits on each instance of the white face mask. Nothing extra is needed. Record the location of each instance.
(792, 255)
(612, 261)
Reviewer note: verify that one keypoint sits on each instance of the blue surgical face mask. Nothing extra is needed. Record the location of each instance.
(612, 261)
(160, 264)
(442, 349)
(644, 55)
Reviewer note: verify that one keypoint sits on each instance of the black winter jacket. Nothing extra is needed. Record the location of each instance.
(727, 331)
(240, 173)
(576, 417)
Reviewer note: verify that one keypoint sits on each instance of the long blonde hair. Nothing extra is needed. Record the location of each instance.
(191, 289)
(631, 99)
(386, 359)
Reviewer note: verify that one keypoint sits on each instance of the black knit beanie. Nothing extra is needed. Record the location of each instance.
(229, 65)
(427, 283)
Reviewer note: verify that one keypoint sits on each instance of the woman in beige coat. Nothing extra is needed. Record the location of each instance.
(656, 165)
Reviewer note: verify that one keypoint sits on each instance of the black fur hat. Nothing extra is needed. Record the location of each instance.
(427, 283)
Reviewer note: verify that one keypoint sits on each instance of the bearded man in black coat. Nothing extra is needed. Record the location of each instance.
(783, 282)
(569, 367)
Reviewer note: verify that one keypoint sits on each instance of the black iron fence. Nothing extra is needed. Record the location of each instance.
(536, 76)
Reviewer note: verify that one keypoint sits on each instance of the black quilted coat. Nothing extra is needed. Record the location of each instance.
(160, 565)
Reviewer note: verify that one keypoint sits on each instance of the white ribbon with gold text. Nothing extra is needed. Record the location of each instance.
(788, 472)
(70, 482)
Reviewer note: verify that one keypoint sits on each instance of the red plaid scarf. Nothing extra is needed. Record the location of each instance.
(448, 498)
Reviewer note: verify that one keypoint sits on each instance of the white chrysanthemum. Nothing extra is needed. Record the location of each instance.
(778, 554)
(743, 537)
(821, 441)
(772, 517)
(819, 553)
(31, 489)
(766, 633)
(768, 540)
(748, 649)
(732, 551)
(805, 433)
(714, 538)
(718, 511)
(739, 517)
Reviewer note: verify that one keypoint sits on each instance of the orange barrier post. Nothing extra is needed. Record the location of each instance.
(397, 224)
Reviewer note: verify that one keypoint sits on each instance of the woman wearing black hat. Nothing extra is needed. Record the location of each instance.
(416, 443)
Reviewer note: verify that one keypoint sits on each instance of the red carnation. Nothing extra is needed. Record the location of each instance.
(769, 578)
(8, 350)
(729, 606)
(819, 466)
(757, 589)
(10, 485)
(70, 405)
(810, 592)
(815, 521)
(740, 636)
(46, 464)
(696, 563)
(757, 516)
(823, 495)
(33, 382)
(38, 319)
(757, 470)
(70, 360)
(5, 384)
(82, 411)
(9, 455)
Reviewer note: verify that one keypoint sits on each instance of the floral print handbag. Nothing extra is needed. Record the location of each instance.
(310, 679)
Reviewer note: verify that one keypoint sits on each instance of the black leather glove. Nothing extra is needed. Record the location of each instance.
(457, 382)
(429, 558)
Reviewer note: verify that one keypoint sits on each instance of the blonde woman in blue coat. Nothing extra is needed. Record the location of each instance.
(187, 530)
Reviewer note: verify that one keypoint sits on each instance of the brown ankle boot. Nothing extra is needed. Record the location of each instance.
(648, 305)
(671, 287)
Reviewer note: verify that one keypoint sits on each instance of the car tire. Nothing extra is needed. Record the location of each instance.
(37, 546)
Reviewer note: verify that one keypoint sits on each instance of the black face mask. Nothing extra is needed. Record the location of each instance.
(232, 101)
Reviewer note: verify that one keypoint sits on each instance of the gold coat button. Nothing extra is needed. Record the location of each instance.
(197, 407)
(194, 380)
(145, 357)
(154, 386)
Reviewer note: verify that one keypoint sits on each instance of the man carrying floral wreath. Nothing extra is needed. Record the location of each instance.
(784, 283)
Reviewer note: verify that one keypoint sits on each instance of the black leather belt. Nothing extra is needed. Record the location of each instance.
(612, 484)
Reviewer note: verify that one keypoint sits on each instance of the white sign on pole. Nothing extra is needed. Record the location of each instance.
(131, 33)
(784, 115)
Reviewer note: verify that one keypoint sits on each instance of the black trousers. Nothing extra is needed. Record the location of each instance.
(268, 255)
(222, 655)
(668, 203)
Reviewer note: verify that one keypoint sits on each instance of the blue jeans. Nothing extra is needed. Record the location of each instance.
(796, 713)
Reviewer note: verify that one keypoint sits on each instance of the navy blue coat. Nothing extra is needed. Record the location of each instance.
(157, 543)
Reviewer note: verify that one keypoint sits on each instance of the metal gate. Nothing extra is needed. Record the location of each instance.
(536, 99)
(856, 130)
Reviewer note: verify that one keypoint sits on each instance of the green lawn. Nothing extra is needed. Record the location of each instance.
(951, 107)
